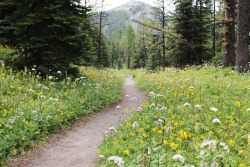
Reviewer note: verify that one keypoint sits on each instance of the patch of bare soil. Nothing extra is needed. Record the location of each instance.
(79, 146)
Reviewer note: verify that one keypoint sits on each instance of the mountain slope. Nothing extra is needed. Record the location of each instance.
(123, 15)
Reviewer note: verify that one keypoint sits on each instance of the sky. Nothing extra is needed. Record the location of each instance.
(114, 3)
(109, 4)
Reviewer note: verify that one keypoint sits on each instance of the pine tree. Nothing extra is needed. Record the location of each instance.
(192, 20)
(131, 46)
(45, 33)
(161, 14)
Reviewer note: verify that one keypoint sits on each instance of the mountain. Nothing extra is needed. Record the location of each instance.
(123, 15)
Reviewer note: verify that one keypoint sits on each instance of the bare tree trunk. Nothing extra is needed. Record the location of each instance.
(243, 22)
(229, 47)
(214, 28)
(163, 36)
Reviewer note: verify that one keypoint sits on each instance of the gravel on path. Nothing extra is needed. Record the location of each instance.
(79, 146)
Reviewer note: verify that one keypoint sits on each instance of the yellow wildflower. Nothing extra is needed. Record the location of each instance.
(165, 142)
(4, 113)
(238, 104)
(178, 152)
(144, 134)
(241, 165)
(126, 152)
(240, 152)
(155, 129)
(14, 152)
(173, 145)
(131, 133)
(160, 132)
(231, 142)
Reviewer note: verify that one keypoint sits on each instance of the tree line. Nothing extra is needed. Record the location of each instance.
(53, 35)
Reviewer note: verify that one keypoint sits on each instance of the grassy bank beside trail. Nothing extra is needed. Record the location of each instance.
(195, 117)
(31, 107)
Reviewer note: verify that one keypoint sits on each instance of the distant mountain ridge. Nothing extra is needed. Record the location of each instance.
(123, 15)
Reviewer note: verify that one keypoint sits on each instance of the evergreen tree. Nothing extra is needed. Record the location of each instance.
(161, 14)
(131, 46)
(45, 33)
(191, 21)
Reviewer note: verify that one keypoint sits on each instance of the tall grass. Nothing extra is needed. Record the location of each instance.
(31, 107)
(195, 117)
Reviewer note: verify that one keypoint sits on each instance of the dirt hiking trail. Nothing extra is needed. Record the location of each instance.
(79, 146)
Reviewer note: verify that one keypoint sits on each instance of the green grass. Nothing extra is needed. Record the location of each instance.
(181, 121)
(31, 107)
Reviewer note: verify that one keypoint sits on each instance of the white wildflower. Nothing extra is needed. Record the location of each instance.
(152, 105)
(187, 165)
(33, 69)
(50, 77)
(163, 108)
(216, 120)
(117, 160)
(178, 157)
(43, 97)
(214, 109)
(191, 87)
(112, 129)
(34, 111)
(101, 157)
(139, 109)
(160, 121)
(169, 130)
(186, 105)
(45, 87)
(248, 109)
(82, 77)
(222, 144)
(59, 72)
(210, 143)
(56, 100)
(198, 107)
(151, 94)
(51, 98)
(202, 152)
(226, 148)
(135, 125)
(203, 164)
(215, 164)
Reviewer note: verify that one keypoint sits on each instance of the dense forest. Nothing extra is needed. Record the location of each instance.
(53, 35)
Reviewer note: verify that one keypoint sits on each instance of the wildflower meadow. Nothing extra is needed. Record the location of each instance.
(196, 117)
(32, 107)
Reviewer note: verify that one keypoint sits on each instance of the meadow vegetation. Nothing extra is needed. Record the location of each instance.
(194, 117)
(32, 107)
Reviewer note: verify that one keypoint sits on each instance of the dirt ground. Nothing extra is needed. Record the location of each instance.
(79, 146)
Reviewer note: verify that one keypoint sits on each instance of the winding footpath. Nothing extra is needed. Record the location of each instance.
(79, 147)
